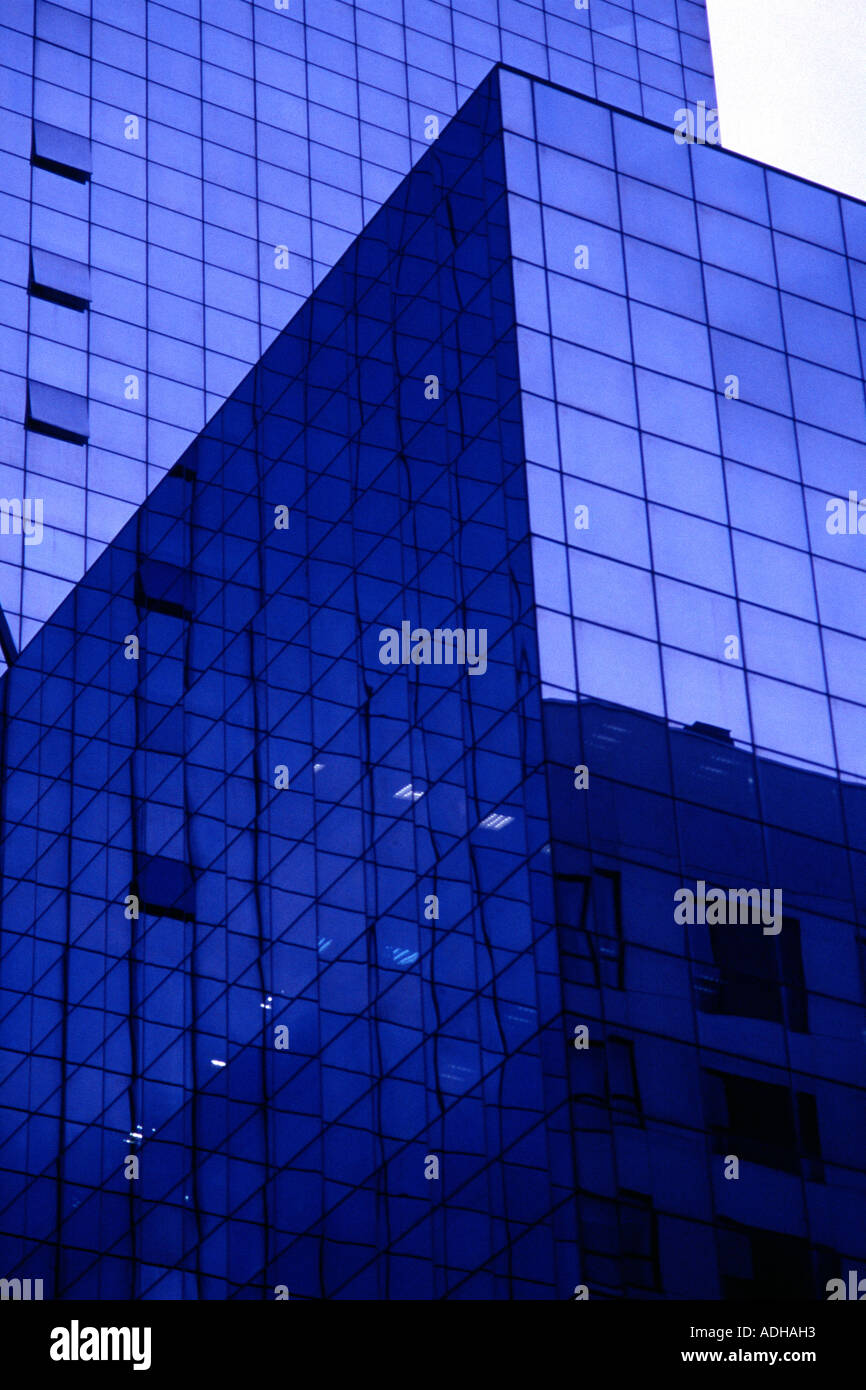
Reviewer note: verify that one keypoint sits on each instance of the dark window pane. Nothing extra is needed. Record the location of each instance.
(59, 279)
(59, 413)
(163, 588)
(61, 152)
(165, 887)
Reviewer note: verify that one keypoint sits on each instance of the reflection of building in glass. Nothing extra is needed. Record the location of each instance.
(311, 936)
(708, 1041)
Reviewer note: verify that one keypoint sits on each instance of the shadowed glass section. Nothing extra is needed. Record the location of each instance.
(257, 824)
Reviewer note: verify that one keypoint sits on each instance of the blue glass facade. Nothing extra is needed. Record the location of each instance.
(691, 349)
(708, 1041)
(267, 828)
(202, 167)
(347, 797)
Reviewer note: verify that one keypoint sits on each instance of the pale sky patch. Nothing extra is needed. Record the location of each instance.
(791, 83)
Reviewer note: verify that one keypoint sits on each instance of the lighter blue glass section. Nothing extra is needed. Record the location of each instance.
(699, 420)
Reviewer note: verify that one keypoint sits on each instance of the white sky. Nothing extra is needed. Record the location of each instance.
(791, 84)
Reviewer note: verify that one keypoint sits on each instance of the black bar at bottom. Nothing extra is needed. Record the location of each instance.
(220, 1338)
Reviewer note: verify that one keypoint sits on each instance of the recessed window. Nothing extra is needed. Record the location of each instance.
(165, 887)
(59, 280)
(764, 1123)
(163, 588)
(765, 1264)
(60, 414)
(756, 976)
(61, 152)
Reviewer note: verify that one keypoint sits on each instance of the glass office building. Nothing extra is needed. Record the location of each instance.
(177, 178)
(349, 795)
